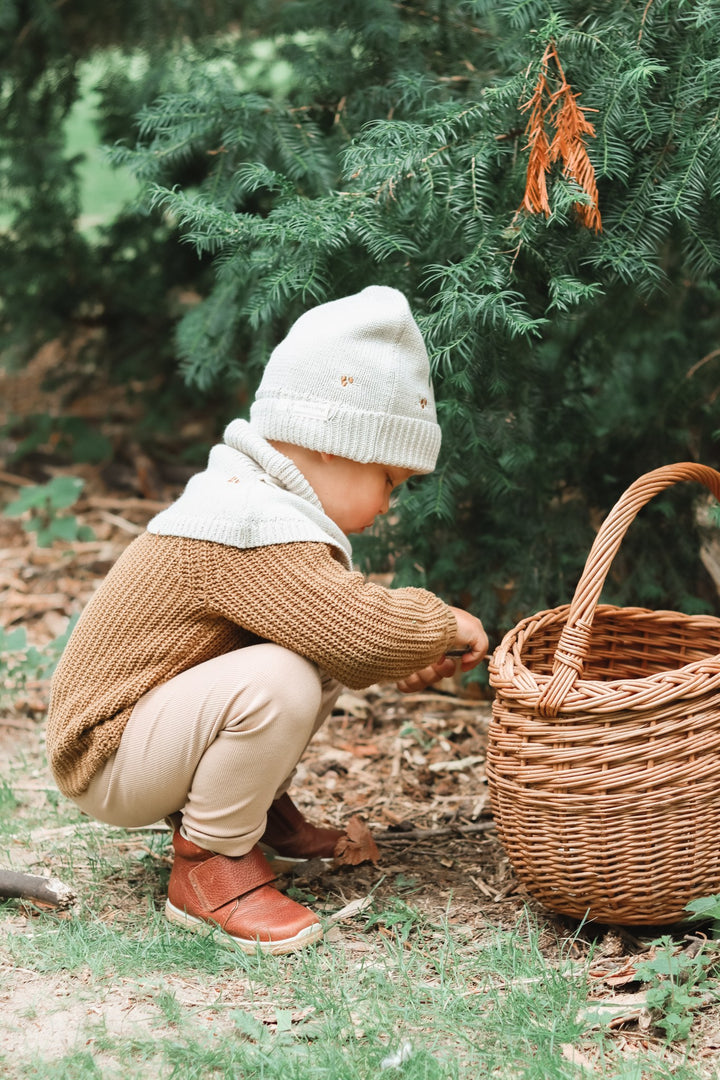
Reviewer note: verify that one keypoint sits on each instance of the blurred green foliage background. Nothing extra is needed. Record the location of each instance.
(261, 157)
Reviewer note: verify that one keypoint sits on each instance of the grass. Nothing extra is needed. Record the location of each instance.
(121, 993)
(422, 1004)
(398, 992)
(435, 1009)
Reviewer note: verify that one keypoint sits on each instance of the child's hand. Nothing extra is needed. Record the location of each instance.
(471, 639)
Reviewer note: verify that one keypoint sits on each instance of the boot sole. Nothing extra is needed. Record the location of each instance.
(308, 936)
(286, 862)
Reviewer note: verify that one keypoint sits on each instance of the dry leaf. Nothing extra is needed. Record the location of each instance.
(360, 749)
(457, 765)
(352, 705)
(571, 1054)
(614, 1012)
(617, 975)
(356, 845)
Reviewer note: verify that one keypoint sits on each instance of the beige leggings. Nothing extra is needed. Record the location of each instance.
(218, 742)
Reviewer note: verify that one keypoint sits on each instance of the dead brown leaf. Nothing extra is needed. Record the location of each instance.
(614, 975)
(357, 845)
(360, 749)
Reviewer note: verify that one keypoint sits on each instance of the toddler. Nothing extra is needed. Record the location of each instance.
(219, 641)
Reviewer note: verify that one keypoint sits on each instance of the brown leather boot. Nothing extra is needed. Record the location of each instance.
(289, 838)
(233, 893)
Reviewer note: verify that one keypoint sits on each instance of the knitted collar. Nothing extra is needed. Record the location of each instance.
(250, 495)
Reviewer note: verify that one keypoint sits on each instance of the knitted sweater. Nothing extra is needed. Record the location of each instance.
(171, 602)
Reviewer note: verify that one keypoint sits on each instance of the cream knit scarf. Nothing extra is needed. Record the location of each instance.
(250, 496)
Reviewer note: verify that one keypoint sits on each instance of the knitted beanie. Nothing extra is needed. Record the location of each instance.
(352, 378)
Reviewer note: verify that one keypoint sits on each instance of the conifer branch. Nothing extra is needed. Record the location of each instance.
(560, 110)
(644, 17)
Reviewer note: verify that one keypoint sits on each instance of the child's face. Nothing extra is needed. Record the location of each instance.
(353, 494)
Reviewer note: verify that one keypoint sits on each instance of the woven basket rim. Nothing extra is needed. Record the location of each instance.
(513, 680)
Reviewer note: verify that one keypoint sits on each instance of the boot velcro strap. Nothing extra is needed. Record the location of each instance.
(221, 879)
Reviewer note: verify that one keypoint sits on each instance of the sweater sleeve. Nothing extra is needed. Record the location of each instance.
(299, 596)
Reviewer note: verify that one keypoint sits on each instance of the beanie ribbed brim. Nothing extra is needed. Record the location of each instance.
(401, 441)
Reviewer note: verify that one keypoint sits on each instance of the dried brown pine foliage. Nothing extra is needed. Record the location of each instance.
(559, 110)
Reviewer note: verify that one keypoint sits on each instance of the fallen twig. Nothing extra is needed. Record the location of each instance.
(480, 884)
(395, 836)
(456, 765)
(104, 502)
(122, 523)
(14, 885)
(37, 835)
(11, 478)
(35, 787)
(439, 697)
(21, 725)
(355, 907)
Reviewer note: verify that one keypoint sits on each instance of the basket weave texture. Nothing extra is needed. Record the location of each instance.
(603, 758)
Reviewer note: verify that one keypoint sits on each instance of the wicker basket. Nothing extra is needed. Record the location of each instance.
(604, 748)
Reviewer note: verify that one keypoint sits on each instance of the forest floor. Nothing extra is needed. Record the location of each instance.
(412, 767)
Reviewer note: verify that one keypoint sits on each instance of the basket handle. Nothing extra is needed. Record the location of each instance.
(572, 648)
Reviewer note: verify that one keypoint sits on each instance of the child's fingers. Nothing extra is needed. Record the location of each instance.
(475, 650)
(441, 669)
(470, 641)
(475, 654)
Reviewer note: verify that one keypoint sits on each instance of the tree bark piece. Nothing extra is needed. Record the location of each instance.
(51, 891)
(399, 835)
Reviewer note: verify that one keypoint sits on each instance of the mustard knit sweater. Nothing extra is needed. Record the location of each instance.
(170, 603)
